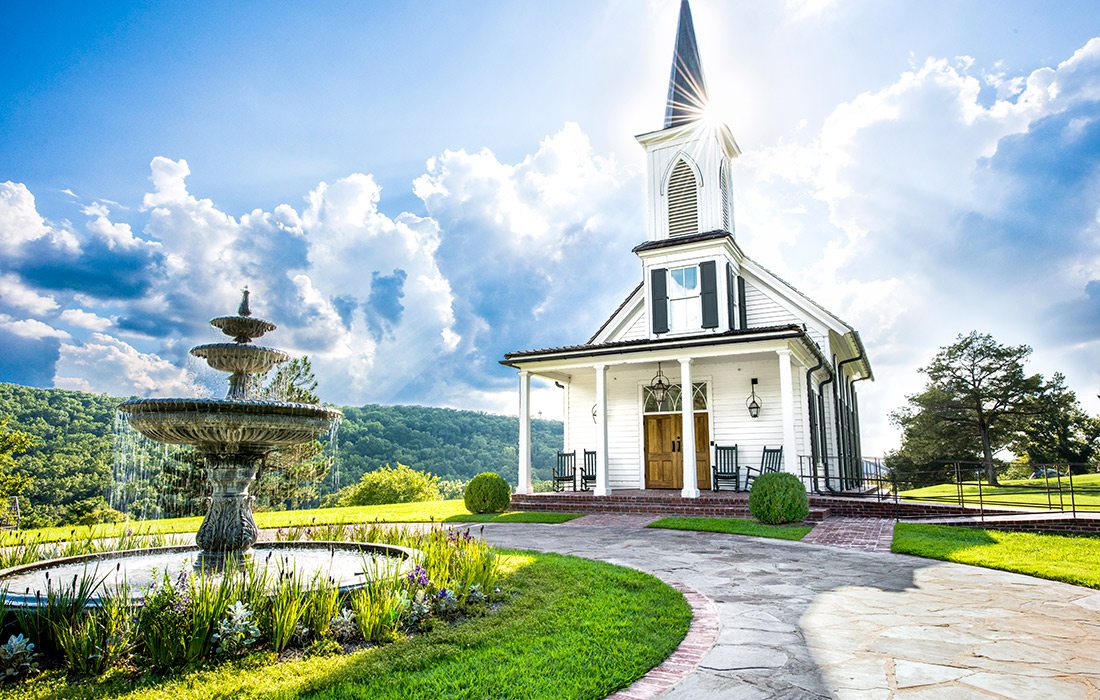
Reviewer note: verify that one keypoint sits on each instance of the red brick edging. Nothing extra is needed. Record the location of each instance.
(701, 636)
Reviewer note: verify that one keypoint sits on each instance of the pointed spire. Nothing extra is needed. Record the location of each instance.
(687, 91)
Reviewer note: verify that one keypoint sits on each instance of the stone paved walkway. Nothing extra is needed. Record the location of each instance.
(805, 621)
(864, 534)
(627, 520)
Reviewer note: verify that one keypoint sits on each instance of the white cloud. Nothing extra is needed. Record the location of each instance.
(115, 235)
(31, 328)
(13, 292)
(85, 319)
(110, 366)
(20, 222)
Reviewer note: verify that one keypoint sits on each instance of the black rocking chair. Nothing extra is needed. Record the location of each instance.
(588, 470)
(771, 461)
(565, 471)
(726, 470)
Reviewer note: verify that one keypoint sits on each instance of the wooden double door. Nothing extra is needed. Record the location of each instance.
(664, 451)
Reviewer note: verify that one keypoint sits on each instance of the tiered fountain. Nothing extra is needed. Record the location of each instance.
(232, 436)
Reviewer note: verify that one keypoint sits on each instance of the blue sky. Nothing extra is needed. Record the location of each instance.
(412, 189)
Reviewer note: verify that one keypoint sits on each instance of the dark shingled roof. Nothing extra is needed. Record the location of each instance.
(746, 335)
(681, 240)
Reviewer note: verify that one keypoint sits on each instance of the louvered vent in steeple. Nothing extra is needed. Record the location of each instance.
(683, 201)
(724, 185)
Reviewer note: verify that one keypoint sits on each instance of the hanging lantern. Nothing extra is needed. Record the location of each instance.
(753, 403)
(658, 386)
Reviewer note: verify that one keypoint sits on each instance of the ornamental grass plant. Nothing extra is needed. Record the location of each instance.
(186, 618)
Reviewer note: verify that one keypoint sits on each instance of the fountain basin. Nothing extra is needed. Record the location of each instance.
(349, 565)
(233, 357)
(229, 426)
(242, 328)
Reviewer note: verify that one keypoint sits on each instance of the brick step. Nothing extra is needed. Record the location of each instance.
(658, 505)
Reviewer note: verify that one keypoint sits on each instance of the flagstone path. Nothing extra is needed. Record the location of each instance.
(798, 620)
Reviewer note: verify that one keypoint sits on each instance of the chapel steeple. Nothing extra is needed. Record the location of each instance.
(688, 160)
(687, 90)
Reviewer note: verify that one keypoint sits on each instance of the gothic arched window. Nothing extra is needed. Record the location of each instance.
(683, 200)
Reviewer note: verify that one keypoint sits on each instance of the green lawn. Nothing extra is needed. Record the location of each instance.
(1056, 557)
(449, 511)
(1025, 493)
(573, 628)
(734, 526)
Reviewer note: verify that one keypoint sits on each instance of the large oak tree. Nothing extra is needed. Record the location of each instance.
(978, 399)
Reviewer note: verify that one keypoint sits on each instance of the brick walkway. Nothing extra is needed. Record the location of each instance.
(699, 640)
(863, 534)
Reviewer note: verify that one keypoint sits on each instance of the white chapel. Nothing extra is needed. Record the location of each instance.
(710, 351)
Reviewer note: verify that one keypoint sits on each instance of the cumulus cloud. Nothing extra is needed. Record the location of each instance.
(20, 222)
(108, 365)
(30, 328)
(929, 208)
(85, 319)
(15, 294)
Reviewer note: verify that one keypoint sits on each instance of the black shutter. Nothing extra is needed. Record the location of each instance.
(708, 280)
(743, 307)
(731, 299)
(658, 292)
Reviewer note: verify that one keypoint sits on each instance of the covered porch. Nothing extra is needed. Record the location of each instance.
(748, 396)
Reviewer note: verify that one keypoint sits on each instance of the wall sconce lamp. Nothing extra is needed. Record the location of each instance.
(753, 403)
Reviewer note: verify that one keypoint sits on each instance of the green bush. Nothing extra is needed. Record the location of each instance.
(778, 498)
(451, 489)
(92, 511)
(488, 493)
(401, 484)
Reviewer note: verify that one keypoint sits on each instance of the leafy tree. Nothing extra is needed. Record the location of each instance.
(1060, 432)
(291, 477)
(12, 442)
(978, 398)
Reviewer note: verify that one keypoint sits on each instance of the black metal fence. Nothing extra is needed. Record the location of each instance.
(1008, 486)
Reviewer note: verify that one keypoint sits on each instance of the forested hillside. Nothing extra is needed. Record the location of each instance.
(71, 465)
(448, 443)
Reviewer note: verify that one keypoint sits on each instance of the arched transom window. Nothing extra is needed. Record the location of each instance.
(683, 200)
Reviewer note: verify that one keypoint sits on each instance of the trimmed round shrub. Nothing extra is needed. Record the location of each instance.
(488, 493)
(778, 498)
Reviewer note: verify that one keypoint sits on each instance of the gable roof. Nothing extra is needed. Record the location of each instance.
(616, 312)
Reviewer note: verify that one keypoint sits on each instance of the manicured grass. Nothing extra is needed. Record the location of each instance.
(1056, 557)
(451, 511)
(573, 628)
(1024, 493)
(734, 526)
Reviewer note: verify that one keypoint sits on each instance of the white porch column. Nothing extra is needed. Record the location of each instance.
(786, 392)
(602, 486)
(687, 442)
(524, 481)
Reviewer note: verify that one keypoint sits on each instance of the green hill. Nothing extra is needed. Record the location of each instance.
(72, 464)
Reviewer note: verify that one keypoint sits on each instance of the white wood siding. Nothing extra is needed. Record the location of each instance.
(637, 330)
(763, 311)
(731, 386)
